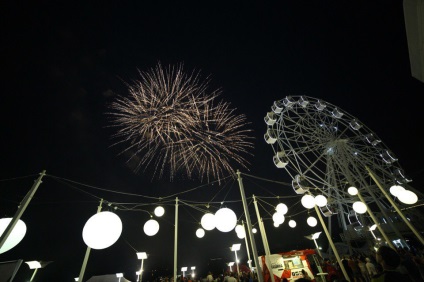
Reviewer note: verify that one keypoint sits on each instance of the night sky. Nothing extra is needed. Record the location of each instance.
(64, 63)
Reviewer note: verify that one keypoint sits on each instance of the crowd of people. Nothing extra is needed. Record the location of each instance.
(386, 264)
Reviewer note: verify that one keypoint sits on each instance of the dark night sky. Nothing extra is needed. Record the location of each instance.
(63, 63)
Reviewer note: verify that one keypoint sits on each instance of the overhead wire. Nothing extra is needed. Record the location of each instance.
(134, 206)
(18, 177)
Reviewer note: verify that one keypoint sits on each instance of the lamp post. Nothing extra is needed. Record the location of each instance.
(230, 264)
(33, 265)
(314, 237)
(184, 269)
(119, 275)
(235, 248)
(372, 228)
(138, 275)
(142, 256)
(192, 271)
(36, 265)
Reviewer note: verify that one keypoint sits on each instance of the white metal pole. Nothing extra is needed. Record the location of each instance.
(264, 240)
(238, 270)
(316, 245)
(141, 270)
(87, 252)
(247, 247)
(33, 275)
(176, 240)
(333, 247)
(21, 209)
(249, 228)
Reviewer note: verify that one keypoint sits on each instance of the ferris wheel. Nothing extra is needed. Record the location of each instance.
(325, 150)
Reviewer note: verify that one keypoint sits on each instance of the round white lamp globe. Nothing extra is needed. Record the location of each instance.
(276, 224)
(312, 221)
(208, 221)
(278, 217)
(308, 201)
(151, 227)
(102, 230)
(352, 191)
(239, 228)
(225, 220)
(320, 200)
(241, 234)
(359, 207)
(200, 233)
(159, 211)
(407, 197)
(15, 236)
(282, 208)
(254, 230)
(292, 223)
(395, 190)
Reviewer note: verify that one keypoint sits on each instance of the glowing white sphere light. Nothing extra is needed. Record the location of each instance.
(15, 236)
(352, 191)
(292, 223)
(282, 208)
(276, 224)
(102, 230)
(407, 197)
(359, 207)
(151, 227)
(200, 233)
(320, 200)
(159, 211)
(308, 201)
(208, 221)
(395, 190)
(312, 221)
(241, 234)
(278, 217)
(225, 220)
(254, 230)
(239, 228)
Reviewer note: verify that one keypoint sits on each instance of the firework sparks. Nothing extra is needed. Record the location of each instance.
(171, 121)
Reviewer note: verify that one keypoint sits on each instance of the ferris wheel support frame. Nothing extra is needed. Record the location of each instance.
(350, 179)
(376, 222)
(416, 233)
(383, 211)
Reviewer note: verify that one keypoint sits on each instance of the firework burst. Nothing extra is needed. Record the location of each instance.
(171, 121)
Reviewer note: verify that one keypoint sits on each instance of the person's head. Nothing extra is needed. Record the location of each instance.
(303, 271)
(387, 257)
